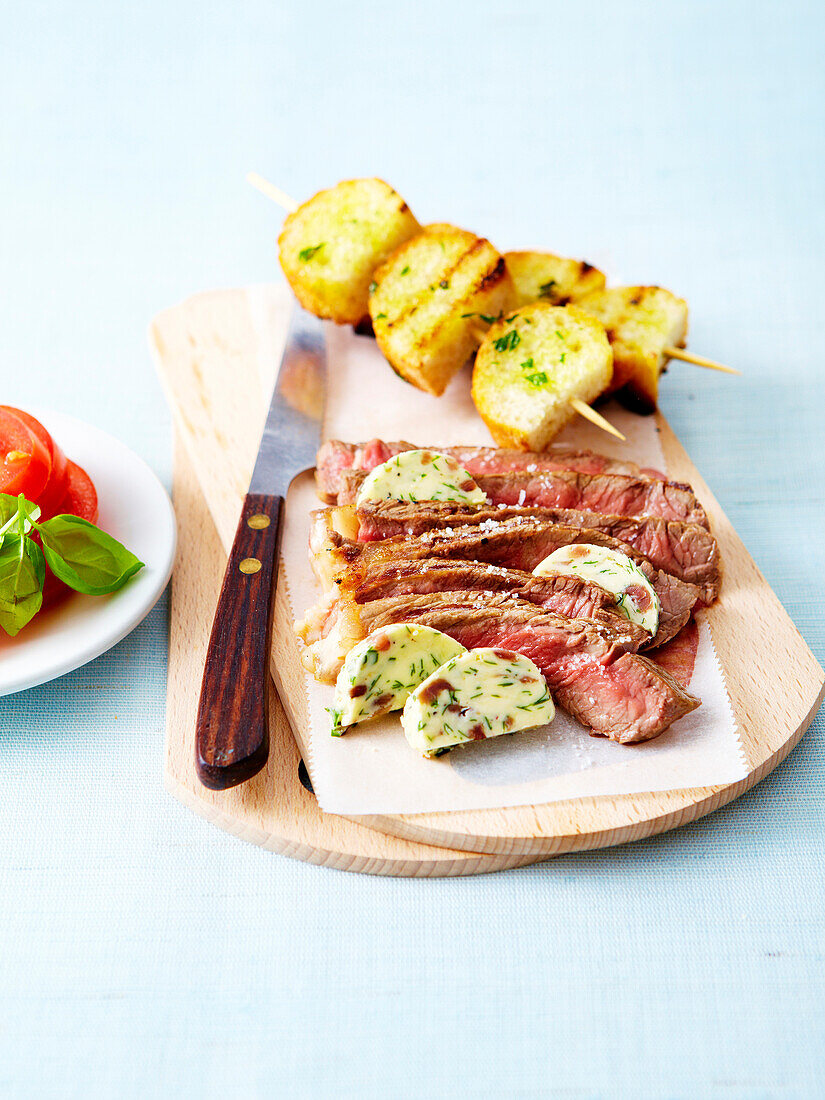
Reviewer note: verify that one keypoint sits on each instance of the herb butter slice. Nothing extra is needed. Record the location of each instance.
(611, 569)
(481, 693)
(380, 672)
(420, 475)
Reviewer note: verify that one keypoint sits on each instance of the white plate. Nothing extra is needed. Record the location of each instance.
(135, 508)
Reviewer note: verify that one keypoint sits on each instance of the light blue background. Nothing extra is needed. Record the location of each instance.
(143, 953)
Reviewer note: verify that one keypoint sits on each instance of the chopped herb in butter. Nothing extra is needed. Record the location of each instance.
(420, 475)
(481, 693)
(611, 569)
(380, 672)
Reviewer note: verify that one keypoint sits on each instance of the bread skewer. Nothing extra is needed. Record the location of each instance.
(287, 203)
(536, 369)
(576, 403)
(544, 276)
(475, 334)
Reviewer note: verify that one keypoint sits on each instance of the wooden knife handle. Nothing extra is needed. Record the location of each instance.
(232, 732)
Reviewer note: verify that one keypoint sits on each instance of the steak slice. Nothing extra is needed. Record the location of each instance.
(333, 625)
(685, 550)
(607, 493)
(515, 544)
(337, 622)
(478, 461)
(616, 694)
(335, 457)
(571, 596)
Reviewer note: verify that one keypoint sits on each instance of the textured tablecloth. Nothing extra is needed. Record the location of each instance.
(145, 953)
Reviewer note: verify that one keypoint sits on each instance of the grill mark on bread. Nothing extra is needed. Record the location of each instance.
(445, 276)
(493, 277)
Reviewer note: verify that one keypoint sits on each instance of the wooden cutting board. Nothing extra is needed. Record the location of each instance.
(206, 353)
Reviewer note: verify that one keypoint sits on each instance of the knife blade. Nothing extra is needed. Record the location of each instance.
(232, 729)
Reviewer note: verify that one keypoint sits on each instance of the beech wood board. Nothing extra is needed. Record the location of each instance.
(205, 350)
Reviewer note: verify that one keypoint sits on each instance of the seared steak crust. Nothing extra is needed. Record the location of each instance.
(557, 594)
(609, 493)
(616, 694)
(685, 550)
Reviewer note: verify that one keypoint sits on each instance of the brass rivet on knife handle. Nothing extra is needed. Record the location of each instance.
(232, 732)
(258, 522)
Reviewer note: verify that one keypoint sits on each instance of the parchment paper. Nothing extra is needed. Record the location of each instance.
(373, 769)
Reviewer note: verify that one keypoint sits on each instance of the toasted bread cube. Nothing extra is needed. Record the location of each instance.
(554, 279)
(331, 245)
(427, 300)
(641, 321)
(531, 364)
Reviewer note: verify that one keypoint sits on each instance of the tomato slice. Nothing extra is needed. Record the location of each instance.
(81, 496)
(80, 499)
(55, 488)
(25, 462)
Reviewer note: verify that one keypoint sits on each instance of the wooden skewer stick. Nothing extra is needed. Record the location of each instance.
(698, 360)
(583, 409)
(272, 192)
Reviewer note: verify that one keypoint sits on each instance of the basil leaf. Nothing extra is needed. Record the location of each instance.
(8, 508)
(84, 557)
(22, 571)
(11, 508)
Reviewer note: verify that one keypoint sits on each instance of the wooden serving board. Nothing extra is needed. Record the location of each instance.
(206, 351)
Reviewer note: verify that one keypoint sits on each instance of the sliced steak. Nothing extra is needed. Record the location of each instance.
(609, 494)
(573, 597)
(515, 544)
(685, 550)
(335, 457)
(616, 694)
(337, 622)
(479, 461)
(341, 563)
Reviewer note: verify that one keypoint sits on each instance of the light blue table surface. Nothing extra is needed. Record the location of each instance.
(145, 953)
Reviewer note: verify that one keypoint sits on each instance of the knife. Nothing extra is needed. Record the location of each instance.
(232, 730)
